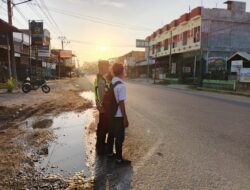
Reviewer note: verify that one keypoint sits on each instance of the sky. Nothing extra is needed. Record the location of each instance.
(102, 29)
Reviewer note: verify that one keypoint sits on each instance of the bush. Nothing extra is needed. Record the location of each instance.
(10, 85)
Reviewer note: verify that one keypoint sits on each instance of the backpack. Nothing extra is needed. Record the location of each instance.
(110, 104)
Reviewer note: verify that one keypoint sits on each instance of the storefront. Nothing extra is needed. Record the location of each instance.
(5, 63)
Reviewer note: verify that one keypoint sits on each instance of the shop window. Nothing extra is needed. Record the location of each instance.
(175, 40)
(185, 38)
(197, 31)
(158, 48)
(153, 49)
(166, 44)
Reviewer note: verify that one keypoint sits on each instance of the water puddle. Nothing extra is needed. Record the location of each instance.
(88, 95)
(67, 155)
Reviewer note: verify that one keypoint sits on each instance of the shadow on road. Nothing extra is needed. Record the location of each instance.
(110, 176)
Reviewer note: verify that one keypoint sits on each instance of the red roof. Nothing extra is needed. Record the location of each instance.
(5, 27)
(185, 17)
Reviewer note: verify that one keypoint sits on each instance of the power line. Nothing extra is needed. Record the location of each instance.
(97, 20)
(96, 44)
(21, 14)
(50, 16)
(5, 10)
(46, 16)
(40, 16)
(104, 21)
(78, 16)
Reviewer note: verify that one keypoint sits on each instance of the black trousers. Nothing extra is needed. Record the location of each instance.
(101, 133)
(116, 136)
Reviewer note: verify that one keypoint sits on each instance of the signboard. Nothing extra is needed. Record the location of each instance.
(141, 43)
(236, 66)
(216, 64)
(245, 75)
(49, 65)
(36, 30)
(44, 51)
(46, 37)
(65, 54)
(186, 69)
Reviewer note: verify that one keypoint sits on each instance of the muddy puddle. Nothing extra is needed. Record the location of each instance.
(66, 155)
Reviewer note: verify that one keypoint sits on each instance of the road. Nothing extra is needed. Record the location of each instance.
(198, 140)
(185, 139)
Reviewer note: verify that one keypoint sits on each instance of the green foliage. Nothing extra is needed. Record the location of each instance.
(10, 85)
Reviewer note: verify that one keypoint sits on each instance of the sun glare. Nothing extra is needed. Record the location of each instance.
(103, 49)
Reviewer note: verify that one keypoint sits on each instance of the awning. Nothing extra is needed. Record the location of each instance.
(5, 27)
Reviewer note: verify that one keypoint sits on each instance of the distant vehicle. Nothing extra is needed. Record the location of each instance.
(27, 85)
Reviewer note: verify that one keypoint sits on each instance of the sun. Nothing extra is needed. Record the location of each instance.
(103, 49)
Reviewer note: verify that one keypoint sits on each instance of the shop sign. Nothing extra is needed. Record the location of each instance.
(44, 51)
(216, 64)
(141, 43)
(65, 54)
(236, 66)
(36, 30)
(245, 75)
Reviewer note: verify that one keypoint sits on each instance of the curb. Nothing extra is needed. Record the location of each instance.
(223, 91)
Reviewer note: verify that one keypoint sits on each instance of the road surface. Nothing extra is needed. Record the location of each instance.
(185, 139)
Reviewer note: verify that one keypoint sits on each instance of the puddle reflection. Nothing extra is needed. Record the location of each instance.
(89, 95)
(110, 176)
(67, 155)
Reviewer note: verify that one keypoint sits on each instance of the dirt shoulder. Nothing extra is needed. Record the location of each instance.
(20, 148)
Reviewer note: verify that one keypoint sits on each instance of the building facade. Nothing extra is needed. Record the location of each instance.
(197, 45)
(129, 61)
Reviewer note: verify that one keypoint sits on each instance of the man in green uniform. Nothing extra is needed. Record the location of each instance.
(101, 87)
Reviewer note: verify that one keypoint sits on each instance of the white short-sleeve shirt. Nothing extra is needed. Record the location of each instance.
(120, 94)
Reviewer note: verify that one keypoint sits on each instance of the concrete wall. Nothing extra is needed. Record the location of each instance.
(225, 32)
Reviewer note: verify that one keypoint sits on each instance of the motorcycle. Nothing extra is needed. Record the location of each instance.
(27, 85)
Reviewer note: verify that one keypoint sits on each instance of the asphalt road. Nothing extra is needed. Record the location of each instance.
(184, 139)
(198, 140)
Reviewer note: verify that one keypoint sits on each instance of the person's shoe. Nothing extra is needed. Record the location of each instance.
(123, 162)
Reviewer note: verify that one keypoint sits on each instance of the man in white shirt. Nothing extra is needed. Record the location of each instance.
(119, 121)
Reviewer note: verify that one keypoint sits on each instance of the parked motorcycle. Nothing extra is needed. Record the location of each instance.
(27, 85)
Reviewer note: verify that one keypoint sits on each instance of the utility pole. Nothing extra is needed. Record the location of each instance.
(170, 55)
(63, 40)
(11, 41)
(10, 6)
(148, 59)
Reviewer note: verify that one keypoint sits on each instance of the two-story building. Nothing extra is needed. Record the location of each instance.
(197, 44)
(129, 61)
(21, 51)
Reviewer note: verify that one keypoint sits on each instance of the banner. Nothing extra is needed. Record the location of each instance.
(217, 64)
(36, 29)
(141, 43)
(65, 54)
(245, 75)
(44, 51)
(236, 66)
(49, 65)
